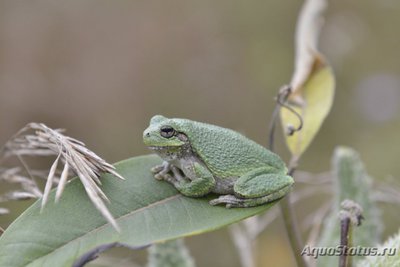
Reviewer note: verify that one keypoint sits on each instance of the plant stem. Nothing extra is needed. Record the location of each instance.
(245, 246)
(292, 230)
(288, 216)
(350, 215)
(344, 240)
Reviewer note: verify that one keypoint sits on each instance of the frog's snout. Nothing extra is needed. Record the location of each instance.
(146, 135)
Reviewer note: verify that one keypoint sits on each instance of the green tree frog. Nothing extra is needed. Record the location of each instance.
(200, 158)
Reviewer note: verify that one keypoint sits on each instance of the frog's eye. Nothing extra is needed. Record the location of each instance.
(167, 131)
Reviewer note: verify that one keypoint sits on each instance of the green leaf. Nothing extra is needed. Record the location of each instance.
(313, 102)
(147, 211)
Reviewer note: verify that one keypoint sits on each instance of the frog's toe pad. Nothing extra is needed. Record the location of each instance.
(159, 176)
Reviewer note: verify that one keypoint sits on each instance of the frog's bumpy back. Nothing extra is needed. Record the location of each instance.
(226, 152)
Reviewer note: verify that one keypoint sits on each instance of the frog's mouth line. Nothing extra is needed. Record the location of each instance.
(163, 148)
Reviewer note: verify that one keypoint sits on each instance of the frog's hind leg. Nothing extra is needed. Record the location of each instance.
(255, 188)
(233, 201)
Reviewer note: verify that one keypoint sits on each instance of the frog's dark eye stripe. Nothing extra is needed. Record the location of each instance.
(167, 131)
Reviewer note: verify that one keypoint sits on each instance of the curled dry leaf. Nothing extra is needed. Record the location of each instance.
(74, 156)
(307, 32)
(312, 85)
(316, 101)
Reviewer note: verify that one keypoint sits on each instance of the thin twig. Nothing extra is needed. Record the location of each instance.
(317, 222)
(26, 167)
(291, 226)
(313, 179)
(344, 239)
(272, 127)
(244, 244)
(263, 222)
(94, 253)
(281, 100)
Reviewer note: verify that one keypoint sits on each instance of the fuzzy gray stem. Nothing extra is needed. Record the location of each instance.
(292, 230)
(344, 240)
(244, 244)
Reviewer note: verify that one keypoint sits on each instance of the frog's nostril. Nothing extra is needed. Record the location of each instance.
(147, 134)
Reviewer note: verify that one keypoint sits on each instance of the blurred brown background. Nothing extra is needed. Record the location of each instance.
(101, 69)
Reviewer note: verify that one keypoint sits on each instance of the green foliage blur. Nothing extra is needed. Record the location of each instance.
(101, 69)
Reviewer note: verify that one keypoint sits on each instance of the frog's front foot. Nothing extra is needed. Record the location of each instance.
(161, 171)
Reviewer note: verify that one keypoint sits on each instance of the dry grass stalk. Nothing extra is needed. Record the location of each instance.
(72, 153)
(29, 190)
(3, 211)
(29, 186)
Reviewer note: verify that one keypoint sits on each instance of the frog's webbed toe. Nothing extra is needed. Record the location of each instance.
(231, 201)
